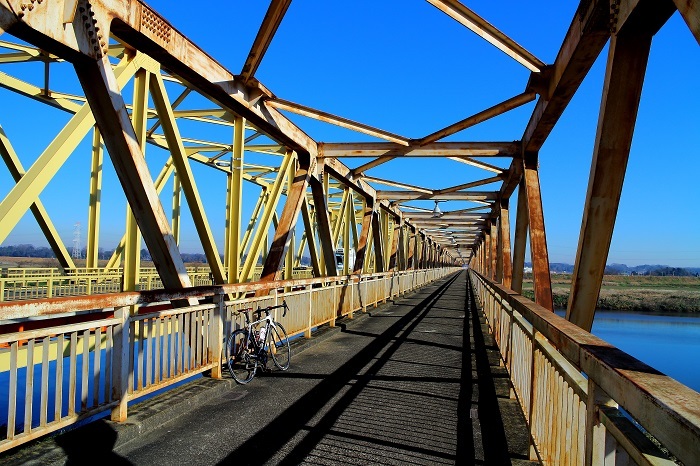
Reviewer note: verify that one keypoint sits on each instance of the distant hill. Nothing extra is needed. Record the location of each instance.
(624, 269)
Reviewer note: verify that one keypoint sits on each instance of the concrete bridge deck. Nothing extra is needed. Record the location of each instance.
(413, 382)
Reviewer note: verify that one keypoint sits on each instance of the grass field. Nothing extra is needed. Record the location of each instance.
(633, 293)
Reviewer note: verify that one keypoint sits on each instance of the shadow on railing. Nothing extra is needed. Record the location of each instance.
(587, 402)
(67, 359)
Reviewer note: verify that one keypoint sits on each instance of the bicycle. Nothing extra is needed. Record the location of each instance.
(248, 347)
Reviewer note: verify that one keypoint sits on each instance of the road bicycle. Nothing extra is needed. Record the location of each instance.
(250, 347)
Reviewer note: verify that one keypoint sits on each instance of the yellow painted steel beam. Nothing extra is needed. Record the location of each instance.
(353, 219)
(339, 219)
(176, 103)
(253, 220)
(27, 190)
(91, 256)
(349, 215)
(177, 207)
(265, 220)
(363, 243)
(234, 202)
(189, 187)
(139, 119)
(291, 180)
(160, 182)
(300, 250)
(309, 220)
(34, 92)
(14, 165)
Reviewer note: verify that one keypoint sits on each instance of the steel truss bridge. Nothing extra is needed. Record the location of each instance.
(177, 89)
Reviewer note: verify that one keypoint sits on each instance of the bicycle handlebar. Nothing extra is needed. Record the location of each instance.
(267, 309)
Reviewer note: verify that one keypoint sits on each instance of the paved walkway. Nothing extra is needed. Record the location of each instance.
(416, 382)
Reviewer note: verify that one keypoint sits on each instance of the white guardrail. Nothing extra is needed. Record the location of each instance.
(65, 359)
(587, 402)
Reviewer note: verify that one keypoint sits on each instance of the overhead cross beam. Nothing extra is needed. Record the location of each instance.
(503, 107)
(337, 120)
(483, 28)
(273, 18)
(436, 149)
(454, 196)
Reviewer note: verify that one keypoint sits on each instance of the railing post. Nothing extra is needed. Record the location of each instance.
(49, 285)
(216, 335)
(596, 451)
(307, 333)
(336, 303)
(533, 416)
(120, 365)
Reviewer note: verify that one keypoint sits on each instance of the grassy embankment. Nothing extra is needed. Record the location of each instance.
(633, 293)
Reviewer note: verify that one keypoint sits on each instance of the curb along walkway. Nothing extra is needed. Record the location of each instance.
(416, 382)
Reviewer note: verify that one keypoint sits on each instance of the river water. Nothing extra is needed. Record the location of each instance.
(669, 343)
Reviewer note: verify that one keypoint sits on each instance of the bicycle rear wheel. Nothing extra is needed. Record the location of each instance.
(279, 347)
(241, 364)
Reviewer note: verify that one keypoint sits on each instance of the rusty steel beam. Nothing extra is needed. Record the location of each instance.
(503, 107)
(690, 10)
(323, 223)
(504, 245)
(337, 120)
(473, 184)
(477, 24)
(342, 173)
(287, 222)
(538, 238)
(273, 18)
(141, 28)
(627, 61)
(407, 195)
(363, 242)
(436, 149)
(587, 35)
(104, 97)
(521, 226)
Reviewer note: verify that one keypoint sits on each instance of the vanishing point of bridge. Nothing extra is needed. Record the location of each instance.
(97, 338)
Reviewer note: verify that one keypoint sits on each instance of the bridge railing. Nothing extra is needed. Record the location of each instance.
(585, 401)
(66, 359)
(19, 284)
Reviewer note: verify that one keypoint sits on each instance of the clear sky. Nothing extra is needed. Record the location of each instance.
(404, 66)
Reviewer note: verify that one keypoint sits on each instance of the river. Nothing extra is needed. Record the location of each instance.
(669, 343)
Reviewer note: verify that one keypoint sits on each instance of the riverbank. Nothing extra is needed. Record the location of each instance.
(633, 293)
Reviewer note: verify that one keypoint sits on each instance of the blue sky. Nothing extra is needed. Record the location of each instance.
(405, 67)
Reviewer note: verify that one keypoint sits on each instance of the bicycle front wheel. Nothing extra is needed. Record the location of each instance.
(241, 364)
(279, 347)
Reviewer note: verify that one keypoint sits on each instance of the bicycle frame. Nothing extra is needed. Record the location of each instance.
(258, 347)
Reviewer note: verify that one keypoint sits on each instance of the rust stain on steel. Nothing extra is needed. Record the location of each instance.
(651, 397)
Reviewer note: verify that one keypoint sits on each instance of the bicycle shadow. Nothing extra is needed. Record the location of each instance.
(91, 444)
